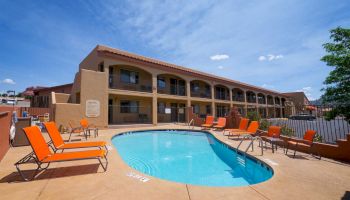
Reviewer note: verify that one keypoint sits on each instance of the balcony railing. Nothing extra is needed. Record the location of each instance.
(200, 94)
(115, 83)
(174, 90)
(261, 101)
(239, 98)
(251, 99)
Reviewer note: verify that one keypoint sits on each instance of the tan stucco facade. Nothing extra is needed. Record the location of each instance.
(151, 82)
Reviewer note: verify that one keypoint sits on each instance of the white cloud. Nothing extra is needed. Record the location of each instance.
(262, 58)
(219, 57)
(8, 81)
(308, 92)
(268, 86)
(220, 67)
(270, 57)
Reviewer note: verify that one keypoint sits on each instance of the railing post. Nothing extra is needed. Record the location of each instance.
(212, 99)
(154, 100)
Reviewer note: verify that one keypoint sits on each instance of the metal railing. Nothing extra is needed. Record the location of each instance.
(174, 90)
(129, 114)
(239, 98)
(200, 94)
(115, 83)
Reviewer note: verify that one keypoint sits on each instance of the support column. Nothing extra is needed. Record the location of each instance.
(154, 100)
(257, 103)
(212, 100)
(281, 113)
(274, 107)
(188, 92)
(267, 107)
(231, 103)
(245, 103)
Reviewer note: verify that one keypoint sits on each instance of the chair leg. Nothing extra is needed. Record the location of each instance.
(70, 135)
(39, 168)
(287, 149)
(295, 150)
(104, 167)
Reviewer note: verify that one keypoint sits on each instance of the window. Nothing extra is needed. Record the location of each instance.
(161, 82)
(129, 76)
(182, 87)
(208, 109)
(196, 108)
(129, 106)
(161, 107)
(101, 67)
(221, 111)
(195, 87)
(221, 93)
(173, 86)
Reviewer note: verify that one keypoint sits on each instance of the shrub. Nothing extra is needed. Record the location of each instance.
(253, 116)
(264, 124)
(285, 130)
(318, 138)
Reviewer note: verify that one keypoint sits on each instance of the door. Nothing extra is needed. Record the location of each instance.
(181, 112)
(173, 86)
(174, 114)
(111, 77)
(110, 111)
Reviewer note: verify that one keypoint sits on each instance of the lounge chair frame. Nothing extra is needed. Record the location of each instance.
(55, 149)
(298, 141)
(33, 156)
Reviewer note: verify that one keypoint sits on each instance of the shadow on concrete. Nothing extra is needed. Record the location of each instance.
(52, 173)
(346, 196)
(300, 157)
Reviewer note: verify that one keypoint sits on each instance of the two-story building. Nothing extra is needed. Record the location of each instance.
(118, 87)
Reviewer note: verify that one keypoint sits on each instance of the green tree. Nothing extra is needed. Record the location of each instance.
(337, 84)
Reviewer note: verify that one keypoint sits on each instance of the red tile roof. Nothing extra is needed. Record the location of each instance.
(109, 50)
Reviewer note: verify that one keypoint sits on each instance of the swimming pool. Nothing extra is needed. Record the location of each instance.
(190, 157)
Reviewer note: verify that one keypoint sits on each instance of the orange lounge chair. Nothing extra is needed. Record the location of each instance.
(221, 123)
(251, 130)
(88, 128)
(243, 125)
(59, 144)
(43, 156)
(74, 129)
(273, 133)
(307, 141)
(209, 120)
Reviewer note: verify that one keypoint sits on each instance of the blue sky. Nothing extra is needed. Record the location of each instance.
(273, 44)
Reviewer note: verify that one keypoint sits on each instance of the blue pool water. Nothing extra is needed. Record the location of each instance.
(189, 157)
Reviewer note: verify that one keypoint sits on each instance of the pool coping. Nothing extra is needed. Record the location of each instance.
(238, 151)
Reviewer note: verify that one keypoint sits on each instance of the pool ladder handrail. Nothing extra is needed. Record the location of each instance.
(251, 143)
(191, 122)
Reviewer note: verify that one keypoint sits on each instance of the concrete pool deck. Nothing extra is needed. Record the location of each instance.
(304, 177)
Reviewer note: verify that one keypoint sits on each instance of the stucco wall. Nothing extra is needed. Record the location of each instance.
(75, 88)
(5, 120)
(66, 112)
(91, 62)
(62, 98)
(94, 86)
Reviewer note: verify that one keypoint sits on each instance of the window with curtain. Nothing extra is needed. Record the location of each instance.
(129, 106)
(127, 76)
